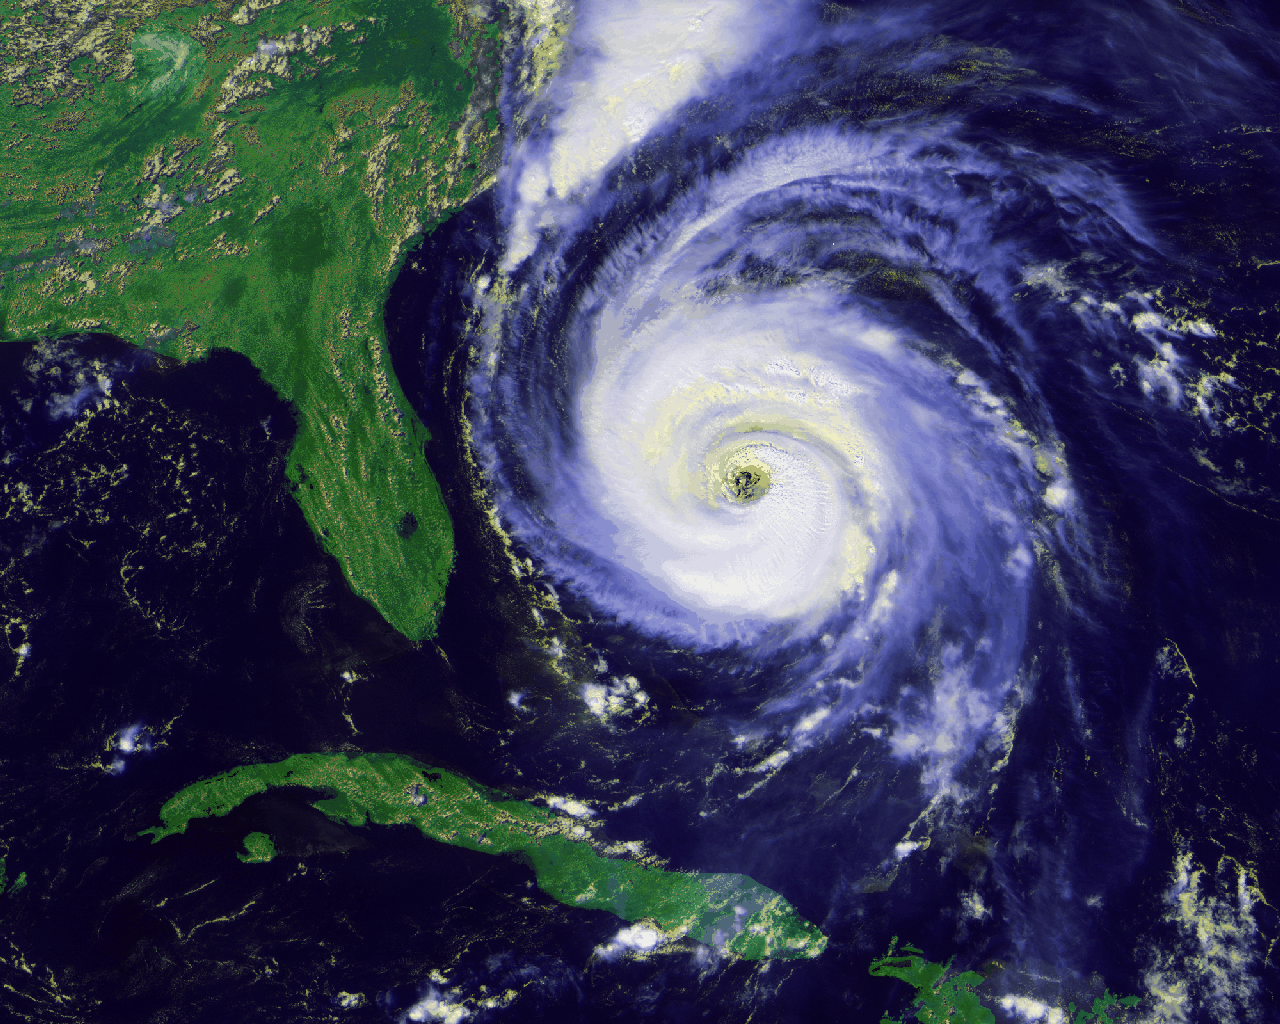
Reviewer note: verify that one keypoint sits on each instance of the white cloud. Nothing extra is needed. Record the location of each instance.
(638, 61)
(620, 696)
(1027, 1008)
(436, 1006)
(634, 939)
(1213, 972)
(570, 806)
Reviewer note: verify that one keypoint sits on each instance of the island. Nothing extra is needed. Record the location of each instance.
(191, 176)
(942, 994)
(728, 911)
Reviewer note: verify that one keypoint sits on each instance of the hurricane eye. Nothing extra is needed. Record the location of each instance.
(745, 484)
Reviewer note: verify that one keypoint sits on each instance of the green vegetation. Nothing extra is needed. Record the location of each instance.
(729, 910)
(18, 882)
(942, 996)
(259, 849)
(190, 176)
(1100, 1011)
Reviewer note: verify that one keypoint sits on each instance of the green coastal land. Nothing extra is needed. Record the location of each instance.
(190, 176)
(5, 885)
(730, 911)
(940, 994)
(945, 996)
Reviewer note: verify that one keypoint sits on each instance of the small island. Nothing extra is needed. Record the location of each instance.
(258, 848)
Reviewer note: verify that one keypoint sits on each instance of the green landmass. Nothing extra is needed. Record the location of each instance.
(944, 996)
(18, 882)
(727, 910)
(940, 995)
(189, 176)
(259, 849)
(1100, 1011)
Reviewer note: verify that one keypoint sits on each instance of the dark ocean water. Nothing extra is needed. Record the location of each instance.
(237, 643)
(1058, 767)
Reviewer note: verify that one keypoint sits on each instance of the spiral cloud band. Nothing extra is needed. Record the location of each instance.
(749, 404)
(830, 364)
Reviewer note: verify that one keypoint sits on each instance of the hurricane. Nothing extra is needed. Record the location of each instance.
(844, 383)
(761, 455)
